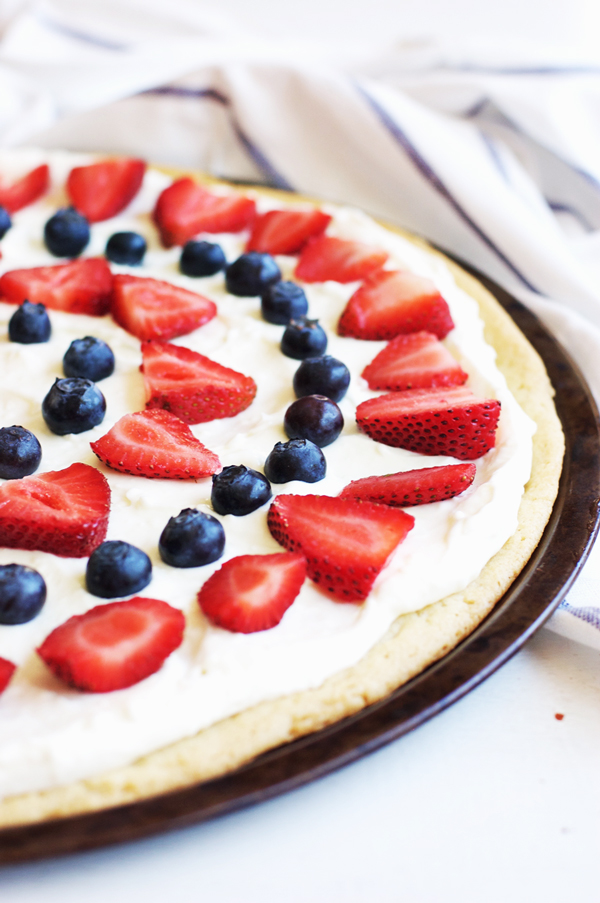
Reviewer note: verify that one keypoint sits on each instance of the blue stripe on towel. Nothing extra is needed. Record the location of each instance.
(572, 211)
(274, 178)
(473, 111)
(499, 117)
(176, 91)
(494, 154)
(556, 206)
(434, 180)
(589, 613)
(519, 70)
(78, 35)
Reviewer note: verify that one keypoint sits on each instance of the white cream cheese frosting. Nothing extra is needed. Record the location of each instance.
(50, 734)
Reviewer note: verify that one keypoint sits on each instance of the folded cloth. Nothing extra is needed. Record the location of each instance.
(494, 160)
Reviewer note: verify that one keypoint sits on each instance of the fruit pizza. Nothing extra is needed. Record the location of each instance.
(258, 466)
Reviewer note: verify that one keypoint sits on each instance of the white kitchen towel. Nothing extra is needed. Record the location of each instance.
(494, 159)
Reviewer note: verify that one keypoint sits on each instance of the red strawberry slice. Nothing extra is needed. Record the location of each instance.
(192, 386)
(253, 592)
(342, 261)
(432, 421)
(155, 444)
(101, 190)
(414, 361)
(63, 511)
(7, 669)
(391, 303)
(346, 543)
(115, 645)
(80, 287)
(185, 208)
(412, 487)
(151, 309)
(25, 190)
(286, 231)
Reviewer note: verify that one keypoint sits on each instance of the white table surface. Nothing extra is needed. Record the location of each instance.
(495, 800)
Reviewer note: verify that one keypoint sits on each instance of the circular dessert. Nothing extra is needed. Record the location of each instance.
(324, 598)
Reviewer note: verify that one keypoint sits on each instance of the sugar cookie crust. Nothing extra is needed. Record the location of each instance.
(412, 643)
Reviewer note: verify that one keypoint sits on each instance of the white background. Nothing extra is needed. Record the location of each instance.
(495, 800)
(522, 23)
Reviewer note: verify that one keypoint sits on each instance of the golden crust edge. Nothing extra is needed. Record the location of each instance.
(413, 641)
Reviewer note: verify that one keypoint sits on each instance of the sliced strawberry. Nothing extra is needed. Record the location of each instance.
(185, 208)
(346, 543)
(155, 444)
(115, 645)
(393, 302)
(253, 592)
(286, 231)
(151, 309)
(25, 190)
(7, 669)
(432, 421)
(101, 190)
(326, 258)
(79, 287)
(414, 361)
(412, 487)
(63, 511)
(191, 385)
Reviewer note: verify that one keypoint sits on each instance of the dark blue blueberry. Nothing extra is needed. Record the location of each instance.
(239, 490)
(20, 453)
(30, 324)
(73, 406)
(191, 539)
(89, 358)
(22, 594)
(314, 417)
(5, 221)
(298, 459)
(251, 274)
(202, 258)
(322, 376)
(126, 247)
(66, 233)
(117, 568)
(304, 338)
(282, 302)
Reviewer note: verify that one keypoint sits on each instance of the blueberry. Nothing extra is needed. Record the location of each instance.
(89, 358)
(30, 324)
(251, 274)
(239, 490)
(73, 406)
(5, 221)
(126, 247)
(117, 568)
(282, 302)
(22, 594)
(314, 417)
(304, 338)
(322, 376)
(202, 258)
(298, 459)
(66, 233)
(20, 453)
(191, 539)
